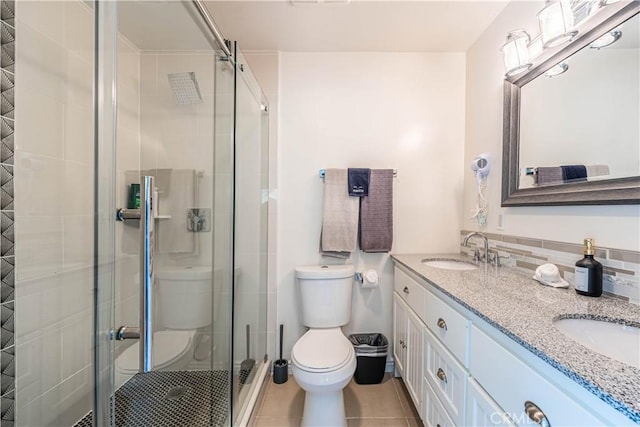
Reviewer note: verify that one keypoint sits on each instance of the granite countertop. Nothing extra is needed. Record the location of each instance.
(523, 309)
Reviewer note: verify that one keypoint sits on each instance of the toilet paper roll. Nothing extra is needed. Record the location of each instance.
(370, 279)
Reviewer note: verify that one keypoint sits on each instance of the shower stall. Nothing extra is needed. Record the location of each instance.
(135, 192)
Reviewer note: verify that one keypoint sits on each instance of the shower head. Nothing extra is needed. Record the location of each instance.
(185, 88)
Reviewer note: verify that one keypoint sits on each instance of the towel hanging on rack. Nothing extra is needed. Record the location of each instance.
(339, 216)
(376, 213)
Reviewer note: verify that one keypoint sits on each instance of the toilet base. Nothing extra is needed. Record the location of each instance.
(316, 413)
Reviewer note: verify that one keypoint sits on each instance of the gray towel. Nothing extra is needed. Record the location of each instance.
(339, 216)
(549, 175)
(376, 213)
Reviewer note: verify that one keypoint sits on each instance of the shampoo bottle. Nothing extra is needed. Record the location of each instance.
(588, 272)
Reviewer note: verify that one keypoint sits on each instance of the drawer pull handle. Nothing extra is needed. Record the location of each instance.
(441, 375)
(442, 324)
(406, 290)
(535, 414)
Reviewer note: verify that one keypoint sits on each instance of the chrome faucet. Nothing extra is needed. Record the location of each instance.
(476, 256)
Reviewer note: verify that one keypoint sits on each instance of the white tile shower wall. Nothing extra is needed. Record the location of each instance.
(610, 226)
(54, 213)
(174, 137)
(380, 110)
(265, 66)
(179, 136)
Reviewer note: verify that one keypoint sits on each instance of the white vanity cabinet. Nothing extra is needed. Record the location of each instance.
(407, 348)
(518, 389)
(460, 370)
(482, 410)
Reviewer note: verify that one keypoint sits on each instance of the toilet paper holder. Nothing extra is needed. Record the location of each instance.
(366, 279)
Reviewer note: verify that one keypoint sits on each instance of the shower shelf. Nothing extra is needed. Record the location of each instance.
(163, 217)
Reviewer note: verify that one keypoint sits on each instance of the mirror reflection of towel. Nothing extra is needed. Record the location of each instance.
(549, 175)
(574, 173)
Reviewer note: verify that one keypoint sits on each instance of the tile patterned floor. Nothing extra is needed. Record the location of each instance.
(171, 399)
(379, 405)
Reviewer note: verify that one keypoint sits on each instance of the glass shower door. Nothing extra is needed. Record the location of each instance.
(174, 89)
(250, 249)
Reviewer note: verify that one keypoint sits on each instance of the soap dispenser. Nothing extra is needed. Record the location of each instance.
(588, 272)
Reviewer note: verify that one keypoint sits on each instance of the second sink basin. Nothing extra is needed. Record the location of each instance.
(614, 340)
(449, 264)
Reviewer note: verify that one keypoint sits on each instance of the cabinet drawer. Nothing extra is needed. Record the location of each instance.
(482, 410)
(409, 290)
(511, 383)
(434, 414)
(448, 325)
(446, 376)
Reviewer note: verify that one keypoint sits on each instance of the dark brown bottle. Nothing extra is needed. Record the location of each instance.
(588, 272)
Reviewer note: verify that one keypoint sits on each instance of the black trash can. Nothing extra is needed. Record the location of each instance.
(371, 354)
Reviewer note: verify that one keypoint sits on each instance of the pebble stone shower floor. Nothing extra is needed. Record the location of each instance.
(171, 399)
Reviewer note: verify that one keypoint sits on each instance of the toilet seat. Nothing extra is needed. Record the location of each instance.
(167, 347)
(322, 350)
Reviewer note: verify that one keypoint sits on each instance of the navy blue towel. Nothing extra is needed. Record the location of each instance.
(574, 173)
(358, 181)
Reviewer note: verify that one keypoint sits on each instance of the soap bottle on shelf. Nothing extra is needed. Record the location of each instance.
(588, 272)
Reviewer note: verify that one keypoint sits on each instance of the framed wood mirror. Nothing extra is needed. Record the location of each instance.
(586, 119)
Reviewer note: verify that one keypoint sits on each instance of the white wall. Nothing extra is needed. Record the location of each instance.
(379, 110)
(611, 226)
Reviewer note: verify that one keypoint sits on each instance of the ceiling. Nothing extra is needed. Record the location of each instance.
(356, 26)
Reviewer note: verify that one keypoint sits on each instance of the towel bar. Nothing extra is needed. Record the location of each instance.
(395, 173)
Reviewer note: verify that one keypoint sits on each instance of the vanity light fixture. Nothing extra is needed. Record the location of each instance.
(535, 46)
(556, 23)
(557, 69)
(515, 52)
(608, 39)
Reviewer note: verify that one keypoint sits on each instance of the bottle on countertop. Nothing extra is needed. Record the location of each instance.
(588, 272)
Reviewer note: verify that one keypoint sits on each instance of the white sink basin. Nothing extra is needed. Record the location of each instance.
(449, 264)
(614, 340)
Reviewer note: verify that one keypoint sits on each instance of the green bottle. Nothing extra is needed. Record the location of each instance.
(134, 197)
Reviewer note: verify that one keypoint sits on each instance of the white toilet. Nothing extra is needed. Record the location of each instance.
(183, 305)
(323, 360)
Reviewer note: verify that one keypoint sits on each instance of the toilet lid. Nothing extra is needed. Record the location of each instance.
(167, 346)
(322, 350)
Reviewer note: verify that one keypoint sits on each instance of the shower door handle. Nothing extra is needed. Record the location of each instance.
(147, 207)
(126, 333)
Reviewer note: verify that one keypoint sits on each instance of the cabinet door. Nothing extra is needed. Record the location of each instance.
(447, 377)
(434, 415)
(482, 410)
(413, 365)
(399, 335)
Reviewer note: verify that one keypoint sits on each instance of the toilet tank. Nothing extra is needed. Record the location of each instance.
(184, 297)
(325, 295)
